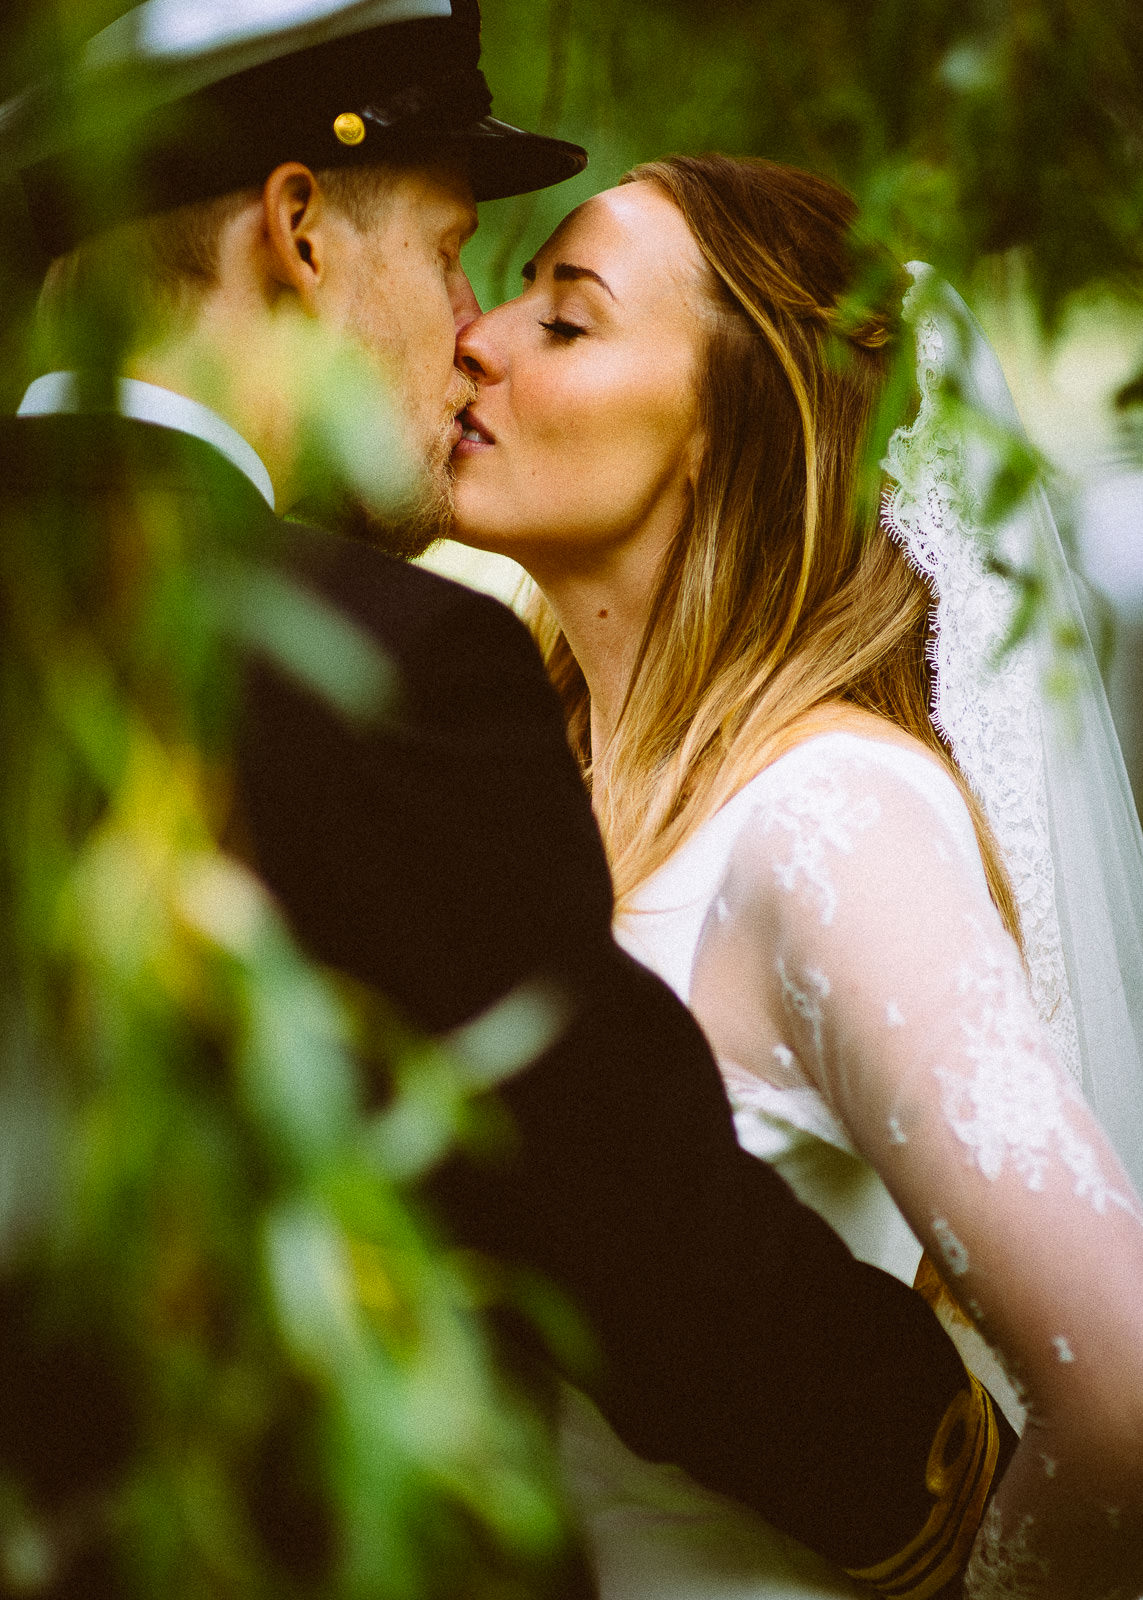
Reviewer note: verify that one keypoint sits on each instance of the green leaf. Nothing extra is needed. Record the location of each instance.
(302, 635)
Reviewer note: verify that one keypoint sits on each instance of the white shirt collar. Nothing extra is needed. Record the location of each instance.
(57, 392)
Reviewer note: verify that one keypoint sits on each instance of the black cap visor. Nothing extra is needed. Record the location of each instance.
(502, 160)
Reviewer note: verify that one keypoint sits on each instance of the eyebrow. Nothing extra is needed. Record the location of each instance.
(565, 272)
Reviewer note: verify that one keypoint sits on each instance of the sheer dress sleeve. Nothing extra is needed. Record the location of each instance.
(854, 948)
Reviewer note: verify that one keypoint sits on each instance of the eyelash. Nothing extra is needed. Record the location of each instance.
(565, 331)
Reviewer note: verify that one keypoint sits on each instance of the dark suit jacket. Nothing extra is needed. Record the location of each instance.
(448, 853)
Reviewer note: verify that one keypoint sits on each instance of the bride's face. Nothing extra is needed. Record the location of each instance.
(585, 423)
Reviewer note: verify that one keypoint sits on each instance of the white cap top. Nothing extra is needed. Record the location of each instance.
(221, 37)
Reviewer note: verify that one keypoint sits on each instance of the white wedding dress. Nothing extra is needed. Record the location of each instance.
(881, 1011)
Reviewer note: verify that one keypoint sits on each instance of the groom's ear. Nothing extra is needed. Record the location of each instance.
(295, 232)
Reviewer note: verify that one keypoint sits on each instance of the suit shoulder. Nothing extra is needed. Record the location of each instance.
(405, 604)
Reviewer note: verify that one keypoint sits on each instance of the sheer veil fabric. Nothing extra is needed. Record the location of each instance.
(1028, 722)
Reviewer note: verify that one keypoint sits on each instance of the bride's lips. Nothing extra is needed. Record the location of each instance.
(474, 438)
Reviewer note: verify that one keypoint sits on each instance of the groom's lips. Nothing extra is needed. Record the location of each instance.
(475, 436)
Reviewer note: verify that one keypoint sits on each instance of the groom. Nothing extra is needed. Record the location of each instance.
(324, 172)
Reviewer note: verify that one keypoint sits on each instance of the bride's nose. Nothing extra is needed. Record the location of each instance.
(478, 350)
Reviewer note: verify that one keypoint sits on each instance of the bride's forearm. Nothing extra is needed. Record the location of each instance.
(1065, 1524)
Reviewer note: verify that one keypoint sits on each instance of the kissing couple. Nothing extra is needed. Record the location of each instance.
(864, 1292)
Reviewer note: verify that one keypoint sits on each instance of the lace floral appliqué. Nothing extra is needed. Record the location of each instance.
(1012, 1109)
(1008, 1568)
(817, 814)
(808, 1004)
(954, 1253)
(1004, 1567)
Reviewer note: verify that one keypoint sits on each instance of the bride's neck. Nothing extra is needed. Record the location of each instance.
(603, 609)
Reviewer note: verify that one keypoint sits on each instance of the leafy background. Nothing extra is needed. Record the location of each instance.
(268, 1375)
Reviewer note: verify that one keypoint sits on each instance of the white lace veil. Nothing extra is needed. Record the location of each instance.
(1030, 725)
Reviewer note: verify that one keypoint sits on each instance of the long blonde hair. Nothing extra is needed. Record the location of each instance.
(780, 593)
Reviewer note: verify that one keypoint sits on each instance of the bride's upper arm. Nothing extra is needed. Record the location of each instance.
(854, 941)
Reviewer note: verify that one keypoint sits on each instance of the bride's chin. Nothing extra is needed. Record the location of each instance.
(476, 523)
(468, 527)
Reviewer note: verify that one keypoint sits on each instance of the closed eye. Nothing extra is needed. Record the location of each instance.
(565, 331)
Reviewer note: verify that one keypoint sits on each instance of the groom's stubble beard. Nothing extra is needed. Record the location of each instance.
(409, 527)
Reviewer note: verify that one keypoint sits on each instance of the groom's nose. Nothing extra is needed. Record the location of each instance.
(465, 305)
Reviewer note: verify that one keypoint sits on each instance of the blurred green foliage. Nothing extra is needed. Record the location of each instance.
(208, 1242)
(237, 1361)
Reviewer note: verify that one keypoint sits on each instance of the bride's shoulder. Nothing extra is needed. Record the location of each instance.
(833, 740)
(846, 782)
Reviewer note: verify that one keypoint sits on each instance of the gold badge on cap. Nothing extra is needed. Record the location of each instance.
(349, 127)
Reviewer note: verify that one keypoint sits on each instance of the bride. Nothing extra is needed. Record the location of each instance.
(668, 435)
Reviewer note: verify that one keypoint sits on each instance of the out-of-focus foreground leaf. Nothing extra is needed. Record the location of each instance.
(237, 1359)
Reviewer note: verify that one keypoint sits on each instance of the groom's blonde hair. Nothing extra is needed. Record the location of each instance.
(781, 594)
